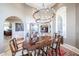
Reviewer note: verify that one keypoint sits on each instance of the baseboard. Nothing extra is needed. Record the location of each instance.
(72, 48)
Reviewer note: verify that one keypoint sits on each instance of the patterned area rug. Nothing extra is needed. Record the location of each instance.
(64, 52)
(67, 52)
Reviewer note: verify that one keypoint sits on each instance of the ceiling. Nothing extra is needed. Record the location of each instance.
(40, 5)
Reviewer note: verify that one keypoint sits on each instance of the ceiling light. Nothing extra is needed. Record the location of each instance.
(44, 15)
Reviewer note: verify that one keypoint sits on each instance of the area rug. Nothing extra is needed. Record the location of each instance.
(64, 52)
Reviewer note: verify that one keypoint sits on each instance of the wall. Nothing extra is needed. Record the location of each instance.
(77, 26)
(13, 21)
(15, 9)
(70, 24)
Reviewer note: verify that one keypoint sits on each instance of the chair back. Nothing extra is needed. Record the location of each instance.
(56, 42)
(55, 34)
(19, 43)
(13, 47)
(59, 42)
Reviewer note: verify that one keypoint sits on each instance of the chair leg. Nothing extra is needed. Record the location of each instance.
(52, 52)
(35, 53)
(23, 52)
(59, 52)
(38, 52)
(56, 52)
(13, 54)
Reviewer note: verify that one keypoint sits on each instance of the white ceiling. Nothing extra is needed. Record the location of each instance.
(40, 5)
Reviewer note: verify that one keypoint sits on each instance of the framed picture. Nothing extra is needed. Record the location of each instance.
(44, 28)
(19, 27)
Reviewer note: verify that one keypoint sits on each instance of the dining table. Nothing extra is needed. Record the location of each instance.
(37, 45)
(49, 42)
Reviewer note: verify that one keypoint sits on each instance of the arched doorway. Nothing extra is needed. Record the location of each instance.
(13, 25)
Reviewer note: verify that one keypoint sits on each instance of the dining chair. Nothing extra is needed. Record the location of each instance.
(25, 52)
(14, 48)
(19, 43)
(56, 46)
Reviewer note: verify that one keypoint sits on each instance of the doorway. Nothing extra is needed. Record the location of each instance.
(10, 31)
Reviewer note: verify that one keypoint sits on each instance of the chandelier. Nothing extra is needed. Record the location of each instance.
(44, 15)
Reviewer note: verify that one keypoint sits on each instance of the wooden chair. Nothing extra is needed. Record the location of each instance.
(56, 46)
(55, 34)
(14, 48)
(62, 39)
(19, 43)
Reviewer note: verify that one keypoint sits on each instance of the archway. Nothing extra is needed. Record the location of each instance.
(61, 20)
(13, 26)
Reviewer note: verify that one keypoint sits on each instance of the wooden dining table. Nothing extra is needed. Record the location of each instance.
(37, 45)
